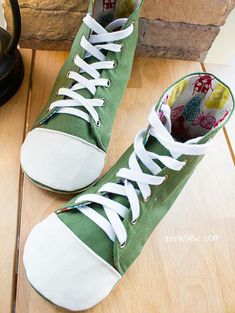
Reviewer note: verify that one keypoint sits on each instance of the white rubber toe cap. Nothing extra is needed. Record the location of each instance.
(63, 269)
(60, 161)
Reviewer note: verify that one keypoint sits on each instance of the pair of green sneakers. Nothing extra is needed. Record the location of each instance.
(78, 254)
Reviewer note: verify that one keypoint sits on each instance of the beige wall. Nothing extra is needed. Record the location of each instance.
(223, 48)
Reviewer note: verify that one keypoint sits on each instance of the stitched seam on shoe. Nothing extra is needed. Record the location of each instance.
(79, 241)
(69, 136)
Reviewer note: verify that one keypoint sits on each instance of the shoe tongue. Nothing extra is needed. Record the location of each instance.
(111, 27)
(151, 145)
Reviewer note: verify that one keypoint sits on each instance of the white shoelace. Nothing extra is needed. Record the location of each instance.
(100, 39)
(112, 225)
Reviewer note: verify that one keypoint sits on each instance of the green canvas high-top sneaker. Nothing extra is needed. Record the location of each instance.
(65, 151)
(78, 254)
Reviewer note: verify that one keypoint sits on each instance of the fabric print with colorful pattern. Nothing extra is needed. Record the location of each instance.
(195, 105)
(222, 118)
(109, 4)
(176, 113)
(162, 117)
(124, 8)
(165, 100)
(203, 84)
(206, 121)
(192, 109)
(177, 91)
(218, 97)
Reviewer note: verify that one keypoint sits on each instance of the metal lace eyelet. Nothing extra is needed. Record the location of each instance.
(108, 83)
(122, 245)
(76, 56)
(97, 124)
(134, 222)
(146, 199)
(104, 100)
(166, 177)
(114, 63)
(185, 163)
(121, 47)
(133, 23)
(68, 73)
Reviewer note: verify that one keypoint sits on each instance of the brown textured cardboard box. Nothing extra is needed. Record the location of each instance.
(183, 29)
(203, 12)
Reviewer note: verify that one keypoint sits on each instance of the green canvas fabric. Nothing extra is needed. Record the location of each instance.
(119, 77)
(152, 211)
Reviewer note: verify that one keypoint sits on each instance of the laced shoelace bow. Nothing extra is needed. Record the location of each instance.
(101, 39)
(115, 212)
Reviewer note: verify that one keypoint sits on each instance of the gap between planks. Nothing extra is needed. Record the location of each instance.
(21, 183)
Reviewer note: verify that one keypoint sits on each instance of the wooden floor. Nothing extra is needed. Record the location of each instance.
(188, 265)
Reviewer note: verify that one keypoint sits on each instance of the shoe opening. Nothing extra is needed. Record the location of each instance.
(198, 104)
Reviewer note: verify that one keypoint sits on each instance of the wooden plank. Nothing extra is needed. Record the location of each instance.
(12, 121)
(227, 74)
(168, 276)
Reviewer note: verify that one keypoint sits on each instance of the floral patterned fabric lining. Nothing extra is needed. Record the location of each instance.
(108, 10)
(198, 104)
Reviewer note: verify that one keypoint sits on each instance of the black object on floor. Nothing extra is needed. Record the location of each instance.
(11, 63)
